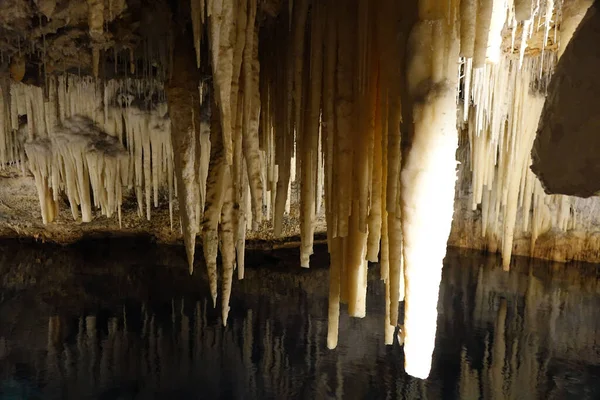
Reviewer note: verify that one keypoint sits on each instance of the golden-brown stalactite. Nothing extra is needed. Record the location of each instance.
(396, 263)
(299, 63)
(391, 72)
(335, 244)
(376, 179)
(345, 124)
(345, 259)
(356, 267)
(284, 127)
(388, 328)
(366, 93)
(328, 118)
(389, 121)
(385, 243)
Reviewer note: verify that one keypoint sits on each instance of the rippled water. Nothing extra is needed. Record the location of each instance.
(125, 321)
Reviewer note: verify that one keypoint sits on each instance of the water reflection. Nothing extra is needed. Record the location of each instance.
(106, 322)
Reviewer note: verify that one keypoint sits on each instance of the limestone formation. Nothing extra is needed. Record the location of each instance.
(267, 118)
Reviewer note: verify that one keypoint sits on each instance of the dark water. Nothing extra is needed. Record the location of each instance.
(124, 320)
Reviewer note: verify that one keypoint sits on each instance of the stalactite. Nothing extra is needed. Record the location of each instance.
(244, 221)
(40, 165)
(215, 187)
(184, 106)
(252, 106)
(345, 124)
(227, 234)
(468, 26)
(310, 137)
(497, 22)
(375, 212)
(197, 11)
(223, 21)
(284, 134)
(428, 178)
(237, 112)
(484, 16)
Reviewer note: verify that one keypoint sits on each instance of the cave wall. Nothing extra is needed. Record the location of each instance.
(20, 218)
(570, 231)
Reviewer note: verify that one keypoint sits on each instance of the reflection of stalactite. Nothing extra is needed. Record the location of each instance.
(487, 393)
(339, 389)
(164, 353)
(498, 352)
(469, 382)
(528, 309)
(248, 342)
(507, 331)
(52, 367)
(184, 338)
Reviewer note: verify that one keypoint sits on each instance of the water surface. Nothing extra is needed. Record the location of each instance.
(124, 320)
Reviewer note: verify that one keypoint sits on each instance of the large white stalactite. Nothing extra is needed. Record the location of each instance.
(428, 178)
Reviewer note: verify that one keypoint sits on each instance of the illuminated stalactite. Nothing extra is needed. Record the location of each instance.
(428, 177)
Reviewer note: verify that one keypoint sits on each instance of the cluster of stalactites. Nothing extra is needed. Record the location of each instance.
(331, 97)
(502, 105)
(331, 116)
(323, 122)
(500, 149)
(75, 157)
(231, 158)
(128, 112)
